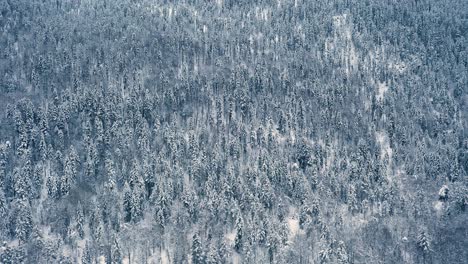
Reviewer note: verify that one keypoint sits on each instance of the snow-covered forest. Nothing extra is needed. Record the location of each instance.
(233, 131)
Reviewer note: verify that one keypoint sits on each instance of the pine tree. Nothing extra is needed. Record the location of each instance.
(91, 162)
(65, 185)
(3, 210)
(223, 252)
(341, 253)
(43, 150)
(87, 257)
(424, 244)
(99, 133)
(197, 250)
(282, 123)
(134, 174)
(116, 252)
(24, 223)
(305, 216)
(352, 199)
(80, 220)
(22, 181)
(324, 253)
(303, 154)
(99, 235)
(162, 211)
(51, 183)
(3, 163)
(273, 243)
(127, 202)
(71, 165)
(238, 241)
(211, 255)
(3, 204)
(136, 204)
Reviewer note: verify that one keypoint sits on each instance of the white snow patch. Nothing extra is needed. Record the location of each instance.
(236, 258)
(164, 257)
(353, 222)
(102, 260)
(13, 243)
(293, 223)
(382, 88)
(230, 237)
(294, 166)
(438, 206)
(292, 135)
(383, 140)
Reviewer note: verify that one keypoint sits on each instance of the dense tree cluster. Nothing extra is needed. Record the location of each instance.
(230, 131)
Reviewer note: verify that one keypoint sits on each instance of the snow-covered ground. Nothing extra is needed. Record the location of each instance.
(384, 142)
(386, 152)
(382, 88)
(164, 257)
(293, 223)
(230, 237)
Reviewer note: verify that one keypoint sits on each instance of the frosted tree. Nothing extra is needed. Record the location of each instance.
(99, 132)
(197, 250)
(12, 255)
(211, 255)
(3, 162)
(341, 253)
(19, 183)
(424, 244)
(303, 154)
(134, 174)
(65, 184)
(352, 199)
(24, 223)
(71, 165)
(87, 256)
(79, 218)
(305, 216)
(273, 243)
(230, 128)
(325, 253)
(110, 199)
(116, 252)
(162, 212)
(238, 240)
(136, 202)
(282, 123)
(127, 202)
(43, 148)
(99, 235)
(91, 161)
(223, 252)
(4, 210)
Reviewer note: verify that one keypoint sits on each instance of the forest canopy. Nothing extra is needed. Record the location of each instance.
(229, 131)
